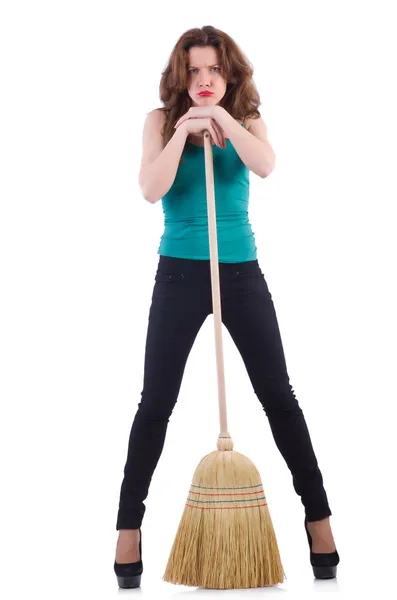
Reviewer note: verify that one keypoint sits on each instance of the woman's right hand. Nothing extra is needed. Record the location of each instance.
(195, 126)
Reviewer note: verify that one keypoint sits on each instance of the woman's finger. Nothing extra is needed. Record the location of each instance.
(221, 137)
(215, 136)
(212, 131)
(218, 133)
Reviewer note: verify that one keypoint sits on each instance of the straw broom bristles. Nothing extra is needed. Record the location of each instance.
(225, 539)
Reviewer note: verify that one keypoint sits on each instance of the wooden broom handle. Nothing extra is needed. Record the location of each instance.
(216, 297)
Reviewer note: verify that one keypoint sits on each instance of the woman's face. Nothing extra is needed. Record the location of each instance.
(204, 75)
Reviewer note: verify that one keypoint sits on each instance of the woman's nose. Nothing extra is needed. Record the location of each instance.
(204, 81)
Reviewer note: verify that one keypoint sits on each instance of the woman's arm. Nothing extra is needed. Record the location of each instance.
(252, 146)
(159, 164)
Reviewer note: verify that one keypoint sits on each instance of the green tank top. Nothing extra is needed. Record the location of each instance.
(185, 208)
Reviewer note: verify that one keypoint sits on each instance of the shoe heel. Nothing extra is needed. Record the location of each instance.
(324, 572)
(129, 582)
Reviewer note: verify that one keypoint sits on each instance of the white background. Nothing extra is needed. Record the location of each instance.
(78, 253)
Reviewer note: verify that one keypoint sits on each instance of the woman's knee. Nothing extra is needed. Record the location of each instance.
(156, 407)
(277, 395)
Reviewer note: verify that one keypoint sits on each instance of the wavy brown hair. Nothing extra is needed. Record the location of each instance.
(241, 98)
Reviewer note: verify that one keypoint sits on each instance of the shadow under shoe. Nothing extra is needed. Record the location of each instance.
(324, 564)
(129, 574)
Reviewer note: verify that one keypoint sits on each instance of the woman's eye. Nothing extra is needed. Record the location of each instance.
(194, 69)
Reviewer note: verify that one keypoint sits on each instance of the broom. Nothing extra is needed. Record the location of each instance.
(225, 538)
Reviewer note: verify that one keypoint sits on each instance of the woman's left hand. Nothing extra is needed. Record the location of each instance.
(200, 112)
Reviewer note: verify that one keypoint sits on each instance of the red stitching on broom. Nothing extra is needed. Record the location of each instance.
(225, 507)
(244, 487)
(242, 494)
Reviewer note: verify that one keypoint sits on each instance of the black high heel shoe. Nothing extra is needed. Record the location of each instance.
(324, 564)
(129, 574)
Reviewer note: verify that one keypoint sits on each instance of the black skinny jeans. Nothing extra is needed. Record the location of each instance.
(181, 302)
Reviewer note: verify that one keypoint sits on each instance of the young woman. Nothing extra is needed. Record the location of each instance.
(208, 85)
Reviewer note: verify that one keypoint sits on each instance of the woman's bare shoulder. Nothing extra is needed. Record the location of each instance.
(154, 121)
(159, 112)
(249, 121)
